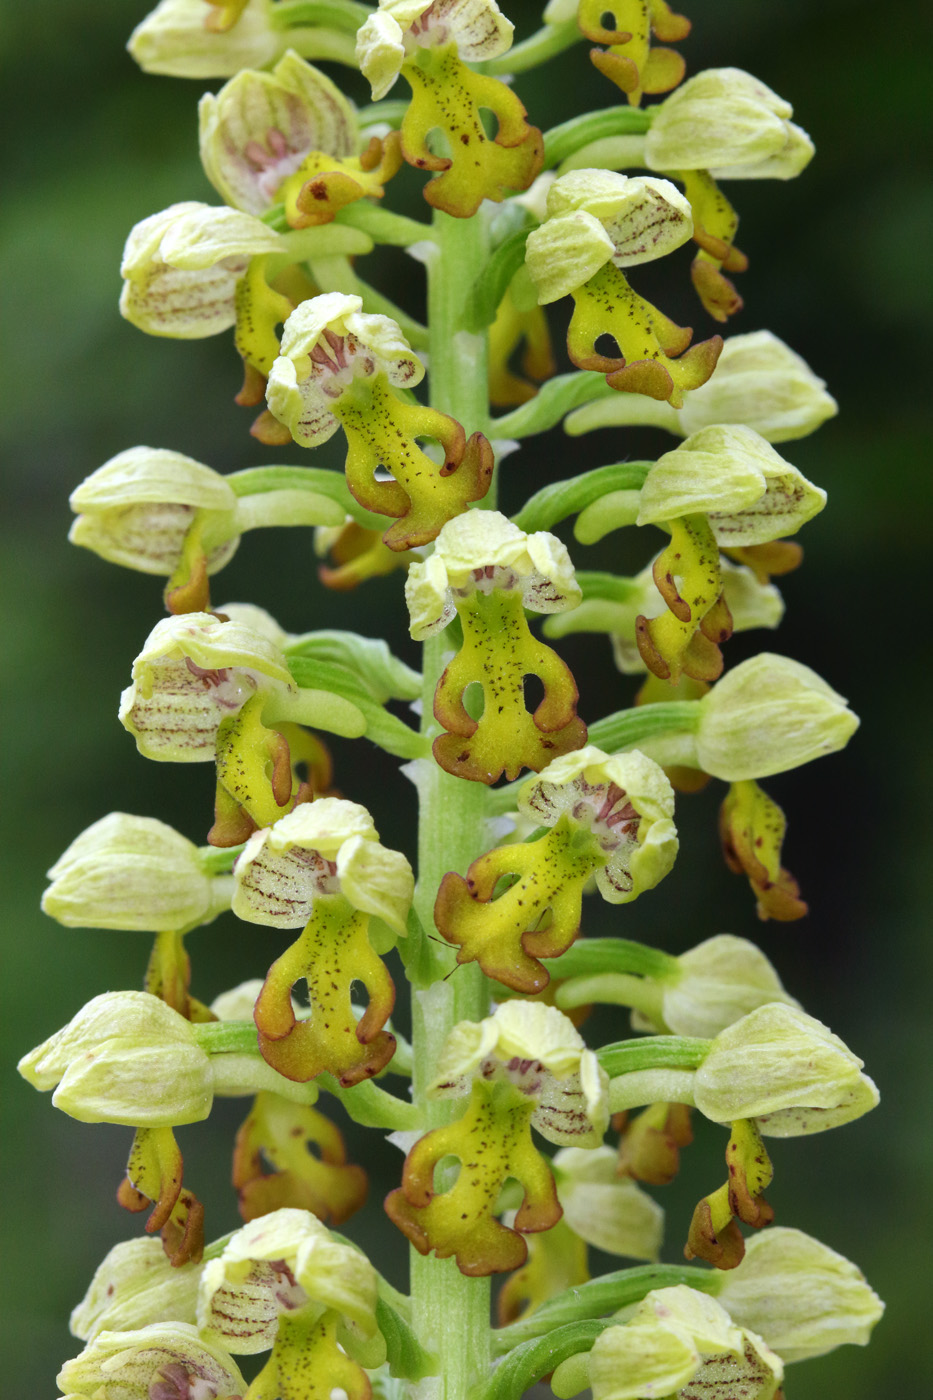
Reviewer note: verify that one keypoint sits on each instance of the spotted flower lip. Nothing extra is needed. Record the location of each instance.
(627, 803)
(537, 1050)
(180, 268)
(598, 216)
(193, 671)
(731, 124)
(326, 342)
(749, 493)
(481, 551)
(325, 847)
(280, 1263)
(158, 1362)
(398, 28)
(260, 127)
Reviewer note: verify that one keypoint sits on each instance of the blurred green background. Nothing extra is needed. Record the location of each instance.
(839, 269)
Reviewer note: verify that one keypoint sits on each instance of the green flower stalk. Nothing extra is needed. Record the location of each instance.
(502, 1098)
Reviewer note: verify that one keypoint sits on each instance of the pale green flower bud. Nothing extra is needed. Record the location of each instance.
(126, 1057)
(803, 1297)
(761, 382)
(260, 127)
(165, 1360)
(537, 1049)
(193, 672)
(717, 982)
(678, 1338)
(599, 216)
(766, 715)
(609, 1211)
(728, 473)
(727, 122)
(135, 1285)
(137, 508)
(384, 42)
(481, 551)
(281, 1262)
(133, 873)
(785, 1069)
(175, 40)
(181, 266)
(321, 848)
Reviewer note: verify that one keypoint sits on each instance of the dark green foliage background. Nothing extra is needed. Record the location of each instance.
(838, 269)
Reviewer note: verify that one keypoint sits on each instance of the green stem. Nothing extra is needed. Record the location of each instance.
(450, 1312)
(382, 225)
(338, 275)
(650, 1086)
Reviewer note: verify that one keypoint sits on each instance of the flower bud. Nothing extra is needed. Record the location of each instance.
(785, 1069)
(167, 1359)
(761, 382)
(132, 873)
(135, 1285)
(717, 983)
(175, 39)
(730, 474)
(767, 715)
(727, 122)
(137, 508)
(803, 1297)
(126, 1057)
